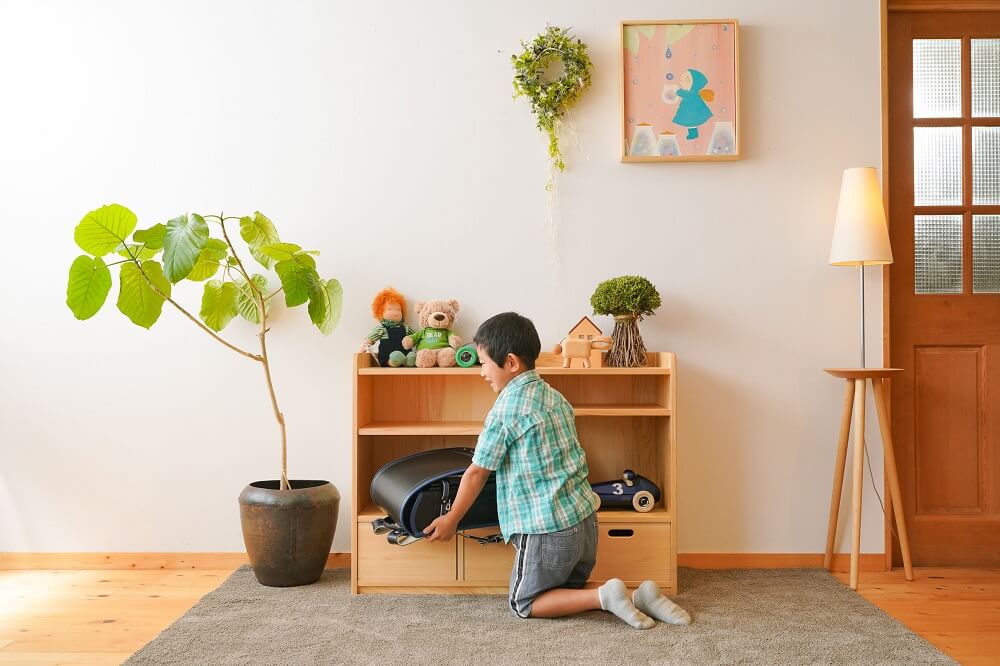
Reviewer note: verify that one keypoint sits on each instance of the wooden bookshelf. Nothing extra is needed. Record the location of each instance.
(625, 419)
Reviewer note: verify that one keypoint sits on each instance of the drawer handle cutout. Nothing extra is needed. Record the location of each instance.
(621, 533)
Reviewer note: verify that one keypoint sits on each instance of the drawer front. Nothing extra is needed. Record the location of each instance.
(420, 563)
(487, 564)
(633, 552)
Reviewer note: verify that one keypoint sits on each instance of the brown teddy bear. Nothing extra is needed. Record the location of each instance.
(435, 343)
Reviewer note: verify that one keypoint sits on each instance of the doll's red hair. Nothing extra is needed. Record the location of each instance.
(385, 296)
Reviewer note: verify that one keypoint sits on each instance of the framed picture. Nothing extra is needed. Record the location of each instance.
(680, 90)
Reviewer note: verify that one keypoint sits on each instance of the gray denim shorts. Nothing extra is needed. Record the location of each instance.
(546, 561)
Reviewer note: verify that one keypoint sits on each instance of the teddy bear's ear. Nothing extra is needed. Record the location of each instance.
(419, 306)
(454, 305)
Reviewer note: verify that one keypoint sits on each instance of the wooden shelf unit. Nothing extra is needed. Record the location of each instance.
(625, 419)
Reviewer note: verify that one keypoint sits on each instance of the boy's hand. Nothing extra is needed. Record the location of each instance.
(441, 529)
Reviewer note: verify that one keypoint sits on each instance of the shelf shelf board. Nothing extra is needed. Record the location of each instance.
(657, 515)
(621, 410)
(421, 428)
(543, 371)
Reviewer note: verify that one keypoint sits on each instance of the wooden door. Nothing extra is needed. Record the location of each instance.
(944, 287)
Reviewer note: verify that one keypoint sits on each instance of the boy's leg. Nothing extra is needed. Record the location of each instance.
(564, 601)
(652, 602)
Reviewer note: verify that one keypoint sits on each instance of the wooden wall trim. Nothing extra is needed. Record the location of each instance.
(166, 561)
(146, 561)
(841, 561)
(943, 6)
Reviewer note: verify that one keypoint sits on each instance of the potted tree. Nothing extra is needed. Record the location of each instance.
(288, 526)
(628, 298)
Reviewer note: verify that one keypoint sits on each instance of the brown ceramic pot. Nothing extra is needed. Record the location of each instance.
(288, 533)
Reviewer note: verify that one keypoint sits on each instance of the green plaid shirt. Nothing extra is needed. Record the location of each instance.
(529, 438)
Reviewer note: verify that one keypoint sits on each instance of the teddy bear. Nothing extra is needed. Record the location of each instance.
(435, 343)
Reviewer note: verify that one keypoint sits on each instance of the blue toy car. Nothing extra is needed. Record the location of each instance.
(632, 490)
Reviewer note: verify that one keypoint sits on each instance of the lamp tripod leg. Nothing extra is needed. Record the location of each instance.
(838, 472)
(859, 471)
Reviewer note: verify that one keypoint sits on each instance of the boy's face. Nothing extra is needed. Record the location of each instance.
(498, 376)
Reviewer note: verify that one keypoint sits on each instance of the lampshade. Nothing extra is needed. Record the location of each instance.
(860, 234)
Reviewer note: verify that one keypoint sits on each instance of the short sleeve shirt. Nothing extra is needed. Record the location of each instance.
(530, 439)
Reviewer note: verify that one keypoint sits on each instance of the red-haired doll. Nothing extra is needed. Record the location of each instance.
(388, 308)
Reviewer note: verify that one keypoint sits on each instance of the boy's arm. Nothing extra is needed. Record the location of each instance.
(443, 527)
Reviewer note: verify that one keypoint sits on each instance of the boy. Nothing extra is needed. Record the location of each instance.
(544, 501)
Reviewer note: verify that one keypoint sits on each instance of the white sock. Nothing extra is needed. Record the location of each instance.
(651, 601)
(614, 598)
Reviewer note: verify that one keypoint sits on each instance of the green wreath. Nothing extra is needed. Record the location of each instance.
(551, 99)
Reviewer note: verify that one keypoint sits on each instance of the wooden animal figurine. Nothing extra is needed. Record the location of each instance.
(584, 341)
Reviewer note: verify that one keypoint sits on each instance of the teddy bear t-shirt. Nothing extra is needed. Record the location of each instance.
(432, 338)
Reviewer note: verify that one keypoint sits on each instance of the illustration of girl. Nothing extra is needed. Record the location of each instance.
(693, 111)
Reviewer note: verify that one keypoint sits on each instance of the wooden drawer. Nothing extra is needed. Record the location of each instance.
(420, 563)
(487, 564)
(634, 552)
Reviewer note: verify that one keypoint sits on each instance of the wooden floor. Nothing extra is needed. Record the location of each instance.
(100, 617)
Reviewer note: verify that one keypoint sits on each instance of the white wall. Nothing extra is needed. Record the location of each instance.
(384, 134)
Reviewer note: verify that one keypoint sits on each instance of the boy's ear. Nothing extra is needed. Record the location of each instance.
(513, 362)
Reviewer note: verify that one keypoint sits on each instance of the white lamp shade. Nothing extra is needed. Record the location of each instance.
(860, 234)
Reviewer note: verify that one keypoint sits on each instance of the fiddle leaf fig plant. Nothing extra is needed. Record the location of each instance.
(152, 260)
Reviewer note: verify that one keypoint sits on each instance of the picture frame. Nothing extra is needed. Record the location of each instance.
(680, 90)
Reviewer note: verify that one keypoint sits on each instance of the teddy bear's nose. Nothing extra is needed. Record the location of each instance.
(438, 316)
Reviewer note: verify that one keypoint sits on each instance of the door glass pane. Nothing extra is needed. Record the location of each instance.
(985, 78)
(937, 78)
(986, 165)
(937, 257)
(937, 166)
(986, 254)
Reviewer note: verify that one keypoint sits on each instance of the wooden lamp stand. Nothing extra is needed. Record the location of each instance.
(854, 402)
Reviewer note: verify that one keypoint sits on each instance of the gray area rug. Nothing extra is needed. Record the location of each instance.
(741, 616)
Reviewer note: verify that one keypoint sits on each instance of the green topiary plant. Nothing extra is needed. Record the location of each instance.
(628, 298)
(189, 252)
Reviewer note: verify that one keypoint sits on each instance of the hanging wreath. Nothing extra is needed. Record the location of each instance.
(551, 99)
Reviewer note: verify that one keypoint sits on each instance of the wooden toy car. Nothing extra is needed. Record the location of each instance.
(632, 490)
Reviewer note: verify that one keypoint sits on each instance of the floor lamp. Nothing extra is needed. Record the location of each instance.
(861, 238)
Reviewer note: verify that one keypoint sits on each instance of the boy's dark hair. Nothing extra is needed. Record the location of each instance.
(509, 333)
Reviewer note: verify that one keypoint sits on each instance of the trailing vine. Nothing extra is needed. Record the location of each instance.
(550, 99)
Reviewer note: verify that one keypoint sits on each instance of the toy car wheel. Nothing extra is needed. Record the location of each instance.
(466, 356)
(643, 501)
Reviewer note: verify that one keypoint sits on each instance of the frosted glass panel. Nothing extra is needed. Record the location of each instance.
(986, 165)
(937, 166)
(986, 254)
(937, 78)
(937, 257)
(985, 78)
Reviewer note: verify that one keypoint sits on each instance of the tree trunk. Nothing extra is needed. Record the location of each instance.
(627, 350)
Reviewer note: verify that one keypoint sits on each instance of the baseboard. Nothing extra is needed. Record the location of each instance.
(140, 561)
(841, 561)
(147, 561)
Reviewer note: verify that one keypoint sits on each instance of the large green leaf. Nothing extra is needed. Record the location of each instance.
(133, 251)
(209, 260)
(280, 251)
(101, 231)
(185, 237)
(258, 231)
(296, 279)
(136, 299)
(218, 304)
(246, 300)
(89, 284)
(326, 300)
(152, 237)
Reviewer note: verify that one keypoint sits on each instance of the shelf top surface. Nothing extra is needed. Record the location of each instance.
(659, 363)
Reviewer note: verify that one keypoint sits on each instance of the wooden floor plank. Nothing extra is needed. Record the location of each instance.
(101, 616)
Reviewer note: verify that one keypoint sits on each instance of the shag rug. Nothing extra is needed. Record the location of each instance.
(741, 616)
